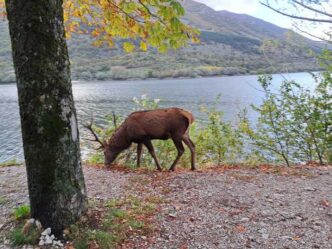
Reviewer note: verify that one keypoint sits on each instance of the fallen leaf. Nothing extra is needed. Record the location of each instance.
(240, 229)
(324, 203)
(221, 210)
(184, 246)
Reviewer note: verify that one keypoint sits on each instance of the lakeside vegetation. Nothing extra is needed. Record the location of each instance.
(294, 126)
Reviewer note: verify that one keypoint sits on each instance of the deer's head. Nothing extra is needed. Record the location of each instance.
(110, 153)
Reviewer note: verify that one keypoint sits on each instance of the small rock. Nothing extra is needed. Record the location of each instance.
(310, 189)
(31, 221)
(265, 236)
(66, 232)
(143, 237)
(46, 232)
(38, 225)
(245, 219)
(57, 243)
(41, 243)
(173, 215)
(48, 240)
(317, 228)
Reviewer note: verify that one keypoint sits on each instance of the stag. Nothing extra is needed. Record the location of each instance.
(143, 126)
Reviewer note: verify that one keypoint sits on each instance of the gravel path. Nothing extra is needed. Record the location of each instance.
(220, 208)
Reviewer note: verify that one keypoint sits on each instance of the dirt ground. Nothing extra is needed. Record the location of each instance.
(214, 208)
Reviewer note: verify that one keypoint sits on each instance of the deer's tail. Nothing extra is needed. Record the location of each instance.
(189, 116)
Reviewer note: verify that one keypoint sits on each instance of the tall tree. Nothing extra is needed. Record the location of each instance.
(48, 117)
(42, 68)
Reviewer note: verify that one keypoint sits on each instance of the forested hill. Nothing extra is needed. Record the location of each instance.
(230, 44)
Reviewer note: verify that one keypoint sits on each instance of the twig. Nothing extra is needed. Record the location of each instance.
(312, 9)
(296, 17)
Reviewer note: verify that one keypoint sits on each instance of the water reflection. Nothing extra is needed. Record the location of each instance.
(101, 98)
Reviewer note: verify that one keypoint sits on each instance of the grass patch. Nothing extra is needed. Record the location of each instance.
(3, 200)
(110, 223)
(19, 237)
(13, 162)
(21, 212)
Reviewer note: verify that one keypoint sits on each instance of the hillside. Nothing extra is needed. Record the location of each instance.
(230, 44)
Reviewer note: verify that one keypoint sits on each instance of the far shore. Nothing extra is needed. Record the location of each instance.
(177, 78)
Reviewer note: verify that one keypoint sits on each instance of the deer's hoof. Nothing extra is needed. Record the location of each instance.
(193, 169)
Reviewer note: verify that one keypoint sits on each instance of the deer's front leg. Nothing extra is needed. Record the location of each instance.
(139, 153)
(149, 145)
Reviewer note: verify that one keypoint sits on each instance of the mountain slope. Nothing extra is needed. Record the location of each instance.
(230, 44)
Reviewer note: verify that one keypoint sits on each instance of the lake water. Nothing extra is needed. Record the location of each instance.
(101, 98)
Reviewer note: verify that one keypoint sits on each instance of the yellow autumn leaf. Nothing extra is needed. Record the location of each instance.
(143, 46)
(150, 21)
(128, 47)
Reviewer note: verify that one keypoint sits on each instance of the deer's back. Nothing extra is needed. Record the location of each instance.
(158, 124)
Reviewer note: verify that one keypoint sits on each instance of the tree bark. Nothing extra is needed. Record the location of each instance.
(48, 117)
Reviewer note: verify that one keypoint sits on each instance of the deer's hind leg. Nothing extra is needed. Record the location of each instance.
(186, 139)
(179, 146)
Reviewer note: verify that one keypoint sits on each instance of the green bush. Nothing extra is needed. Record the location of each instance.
(294, 124)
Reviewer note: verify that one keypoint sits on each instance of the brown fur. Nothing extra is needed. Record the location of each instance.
(143, 126)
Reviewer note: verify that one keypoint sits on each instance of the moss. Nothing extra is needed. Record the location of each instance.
(54, 126)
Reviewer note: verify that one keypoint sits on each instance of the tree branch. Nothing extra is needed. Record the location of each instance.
(124, 12)
(150, 13)
(296, 17)
(314, 36)
(311, 8)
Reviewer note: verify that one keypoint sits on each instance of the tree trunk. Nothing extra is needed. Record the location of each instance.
(48, 117)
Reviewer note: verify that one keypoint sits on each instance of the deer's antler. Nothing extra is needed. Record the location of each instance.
(96, 138)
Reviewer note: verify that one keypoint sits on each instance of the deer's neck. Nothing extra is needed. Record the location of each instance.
(120, 140)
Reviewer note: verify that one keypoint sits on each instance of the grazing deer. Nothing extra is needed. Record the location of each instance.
(143, 126)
